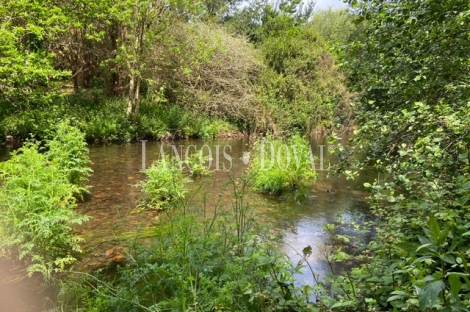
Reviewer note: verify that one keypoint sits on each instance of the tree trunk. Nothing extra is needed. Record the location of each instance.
(137, 99)
(131, 93)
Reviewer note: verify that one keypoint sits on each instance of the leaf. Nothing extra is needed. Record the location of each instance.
(424, 246)
(455, 284)
(434, 228)
(448, 258)
(396, 297)
(408, 246)
(430, 294)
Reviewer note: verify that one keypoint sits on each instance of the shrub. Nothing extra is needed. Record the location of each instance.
(37, 211)
(68, 150)
(280, 164)
(165, 184)
(196, 163)
(211, 72)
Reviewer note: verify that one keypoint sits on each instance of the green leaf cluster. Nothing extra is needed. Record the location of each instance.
(37, 203)
(413, 109)
(165, 185)
(280, 164)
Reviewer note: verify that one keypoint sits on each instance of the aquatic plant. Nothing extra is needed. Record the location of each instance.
(280, 164)
(197, 164)
(165, 184)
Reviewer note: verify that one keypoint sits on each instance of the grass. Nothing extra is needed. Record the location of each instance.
(281, 164)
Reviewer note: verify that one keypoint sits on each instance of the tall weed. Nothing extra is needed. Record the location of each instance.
(165, 184)
(69, 151)
(37, 211)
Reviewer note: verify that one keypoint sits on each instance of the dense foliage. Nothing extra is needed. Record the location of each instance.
(68, 150)
(38, 200)
(165, 185)
(165, 69)
(281, 164)
(222, 262)
(411, 74)
(189, 54)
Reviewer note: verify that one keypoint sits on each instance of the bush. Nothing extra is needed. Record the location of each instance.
(37, 211)
(211, 72)
(68, 150)
(165, 184)
(196, 163)
(35, 122)
(281, 164)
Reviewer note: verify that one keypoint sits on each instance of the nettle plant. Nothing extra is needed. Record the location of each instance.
(37, 206)
(281, 164)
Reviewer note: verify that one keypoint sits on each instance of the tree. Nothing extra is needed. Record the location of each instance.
(28, 77)
(141, 22)
(336, 26)
(219, 10)
(412, 79)
(414, 52)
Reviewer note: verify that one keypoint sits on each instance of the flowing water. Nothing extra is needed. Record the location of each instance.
(300, 219)
(117, 168)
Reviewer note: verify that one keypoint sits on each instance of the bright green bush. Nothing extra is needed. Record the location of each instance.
(34, 122)
(37, 211)
(197, 164)
(68, 150)
(280, 164)
(165, 184)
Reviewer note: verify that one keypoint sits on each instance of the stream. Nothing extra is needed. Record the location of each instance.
(117, 168)
(300, 220)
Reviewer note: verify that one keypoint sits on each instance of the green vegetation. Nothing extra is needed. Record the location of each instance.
(413, 83)
(107, 121)
(219, 263)
(281, 164)
(38, 200)
(68, 150)
(176, 69)
(198, 164)
(121, 70)
(165, 185)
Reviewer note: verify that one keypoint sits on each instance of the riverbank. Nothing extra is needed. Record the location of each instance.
(105, 120)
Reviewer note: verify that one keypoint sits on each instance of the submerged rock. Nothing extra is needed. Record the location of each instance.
(116, 256)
